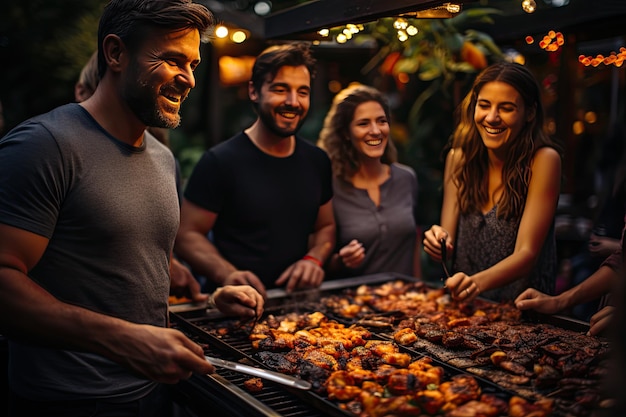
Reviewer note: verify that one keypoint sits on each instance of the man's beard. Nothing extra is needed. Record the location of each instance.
(143, 101)
(270, 123)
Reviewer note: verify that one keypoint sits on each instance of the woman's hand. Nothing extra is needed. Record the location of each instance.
(432, 242)
(462, 287)
(353, 254)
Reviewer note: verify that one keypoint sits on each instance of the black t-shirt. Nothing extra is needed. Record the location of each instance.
(267, 206)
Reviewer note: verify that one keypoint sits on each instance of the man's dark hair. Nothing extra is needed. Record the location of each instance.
(133, 20)
(275, 57)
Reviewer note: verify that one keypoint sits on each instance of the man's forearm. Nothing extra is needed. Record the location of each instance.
(322, 243)
(595, 286)
(204, 258)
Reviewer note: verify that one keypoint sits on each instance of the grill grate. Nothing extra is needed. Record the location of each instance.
(278, 398)
(235, 345)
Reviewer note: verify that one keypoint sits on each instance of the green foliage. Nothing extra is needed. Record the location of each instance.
(47, 43)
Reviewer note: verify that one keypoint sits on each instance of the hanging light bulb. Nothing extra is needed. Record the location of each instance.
(400, 23)
(529, 6)
(402, 36)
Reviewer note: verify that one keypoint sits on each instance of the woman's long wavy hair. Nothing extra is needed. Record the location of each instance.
(335, 134)
(471, 175)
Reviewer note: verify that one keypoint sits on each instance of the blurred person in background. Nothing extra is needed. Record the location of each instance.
(599, 285)
(87, 80)
(374, 197)
(265, 194)
(87, 225)
(501, 187)
(604, 238)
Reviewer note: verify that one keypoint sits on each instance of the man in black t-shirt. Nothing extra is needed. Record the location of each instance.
(264, 194)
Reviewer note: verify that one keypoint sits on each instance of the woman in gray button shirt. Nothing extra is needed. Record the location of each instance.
(375, 198)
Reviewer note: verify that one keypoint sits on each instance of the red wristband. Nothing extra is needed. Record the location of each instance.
(312, 259)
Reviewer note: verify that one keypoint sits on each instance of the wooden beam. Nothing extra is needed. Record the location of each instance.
(306, 19)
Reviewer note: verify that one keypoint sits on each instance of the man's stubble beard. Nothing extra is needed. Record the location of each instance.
(143, 101)
(270, 123)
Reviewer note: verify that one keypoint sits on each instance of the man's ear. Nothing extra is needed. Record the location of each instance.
(252, 93)
(114, 52)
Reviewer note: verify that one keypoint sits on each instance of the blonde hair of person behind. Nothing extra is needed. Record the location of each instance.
(88, 79)
(335, 134)
(471, 175)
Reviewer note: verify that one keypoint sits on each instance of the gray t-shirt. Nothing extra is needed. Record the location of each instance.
(388, 232)
(110, 212)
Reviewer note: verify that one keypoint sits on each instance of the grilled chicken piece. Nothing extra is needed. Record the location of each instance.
(515, 368)
(377, 406)
(474, 408)
(306, 337)
(382, 373)
(402, 382)
(373, 387)
(381, 347)
(405, 337)
(432, 376)
(340, 386)
(278, 340)
(278, 362)
(460, 389)
(360, 376)
(401, 360)
(253, 384)
(431, 401)
(475, 320)
(320, 359)
(313, 320)
(498, 403)
(519, 407)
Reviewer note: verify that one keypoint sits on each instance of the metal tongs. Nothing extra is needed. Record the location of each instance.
(287, 380)
(444, 258)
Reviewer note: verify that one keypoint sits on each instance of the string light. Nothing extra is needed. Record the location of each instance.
(221, 31)
(239, 36)
(529, 6)
(550, 42)
(614, 58)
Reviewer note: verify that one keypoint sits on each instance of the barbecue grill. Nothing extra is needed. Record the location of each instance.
(223, 393)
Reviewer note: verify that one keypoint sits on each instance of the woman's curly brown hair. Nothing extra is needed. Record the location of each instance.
(335, 134)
